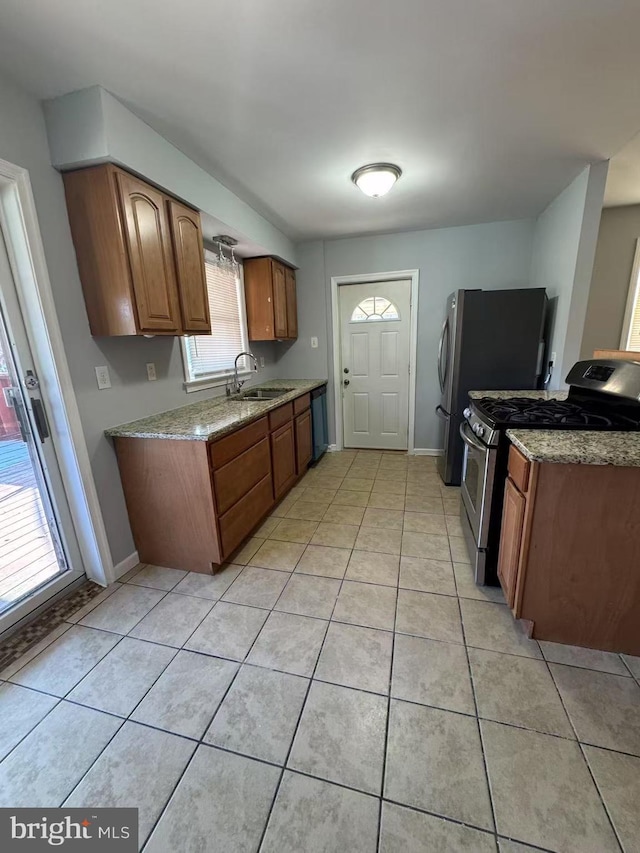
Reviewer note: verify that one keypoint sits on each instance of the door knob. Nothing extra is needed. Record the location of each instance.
(346, 381)
(346, 370)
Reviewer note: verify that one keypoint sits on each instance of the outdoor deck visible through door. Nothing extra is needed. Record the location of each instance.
(375, 336)
(31, 552)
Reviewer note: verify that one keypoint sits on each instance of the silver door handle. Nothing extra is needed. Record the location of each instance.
(471, 442)
(441, 413)
(346, 381)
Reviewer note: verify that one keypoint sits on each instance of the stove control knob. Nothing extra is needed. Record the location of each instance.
(467, 412)
(479, 430)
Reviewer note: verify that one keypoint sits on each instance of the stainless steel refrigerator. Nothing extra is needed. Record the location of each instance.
(491, 340)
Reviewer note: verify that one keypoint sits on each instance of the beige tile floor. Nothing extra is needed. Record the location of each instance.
(342, 685)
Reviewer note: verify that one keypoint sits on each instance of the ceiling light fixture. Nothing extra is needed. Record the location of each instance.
(376, 179)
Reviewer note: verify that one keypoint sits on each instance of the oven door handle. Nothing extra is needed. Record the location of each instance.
(471, 442)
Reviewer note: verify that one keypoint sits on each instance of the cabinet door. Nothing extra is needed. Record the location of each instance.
(279, 300)
(283, 459)
(188, 251)
(510, 540)
(150, 255)
(258, 294)
(303, 441)
(292, 303)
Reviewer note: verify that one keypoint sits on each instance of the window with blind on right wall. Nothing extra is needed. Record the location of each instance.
(630, 339)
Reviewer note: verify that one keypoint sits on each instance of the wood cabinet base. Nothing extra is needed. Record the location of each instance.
(576, 576)
(191, 504)
(167, 487)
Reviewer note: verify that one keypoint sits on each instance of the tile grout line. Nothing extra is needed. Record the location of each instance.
(582, 753)
(478, 727)
(297, 726)
(388, 718)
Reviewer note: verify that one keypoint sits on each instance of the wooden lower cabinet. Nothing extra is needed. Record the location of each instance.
(570, 552)
(239, 476)
(304, 445)
(191, 504)
(283, 459)
(245, 514)
(510, 540)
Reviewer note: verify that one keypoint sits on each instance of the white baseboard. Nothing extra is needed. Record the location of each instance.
(427, 451)
(125, 565)
(332, 448)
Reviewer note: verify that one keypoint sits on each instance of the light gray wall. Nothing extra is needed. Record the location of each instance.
(562, 261)
(23, 141)
(615, 251)
(92, 126)
(491, 256)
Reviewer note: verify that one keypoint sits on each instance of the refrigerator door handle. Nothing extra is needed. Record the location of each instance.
(442, 371)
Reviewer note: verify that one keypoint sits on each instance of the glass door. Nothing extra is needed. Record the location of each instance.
(31, 552)
(39, 554)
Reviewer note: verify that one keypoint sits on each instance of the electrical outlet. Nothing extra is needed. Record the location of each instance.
(102, 375)
(261, 361)
(314, 343)
(151, 371)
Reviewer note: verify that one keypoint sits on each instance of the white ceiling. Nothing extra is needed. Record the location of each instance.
(490, 107)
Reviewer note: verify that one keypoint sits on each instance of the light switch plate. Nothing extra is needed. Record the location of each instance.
(314, 343)
(102, 375)
(151, 371)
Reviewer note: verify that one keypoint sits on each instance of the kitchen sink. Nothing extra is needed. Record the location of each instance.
(264, 394)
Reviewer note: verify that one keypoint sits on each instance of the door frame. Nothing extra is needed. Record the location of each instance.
(365, 278)
(25, 250)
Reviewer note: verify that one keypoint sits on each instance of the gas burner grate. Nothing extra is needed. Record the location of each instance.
(525, 411)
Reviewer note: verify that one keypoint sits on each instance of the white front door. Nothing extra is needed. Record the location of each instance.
(375, 329)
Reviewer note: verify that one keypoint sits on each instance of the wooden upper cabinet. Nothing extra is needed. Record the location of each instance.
(188, 251)
(139, 255)
(150, 256)
(280, 326)
(292, 303)
(270, 296)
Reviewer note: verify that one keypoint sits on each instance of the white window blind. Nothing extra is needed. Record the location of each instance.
(214, 355)
(631, 326)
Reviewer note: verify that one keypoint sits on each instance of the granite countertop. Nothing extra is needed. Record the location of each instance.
(533, 395)
(578, 447)
(213, 418)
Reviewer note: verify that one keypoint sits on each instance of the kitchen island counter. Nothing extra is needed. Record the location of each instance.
(578, 447)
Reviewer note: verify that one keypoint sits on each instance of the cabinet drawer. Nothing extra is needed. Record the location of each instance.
(301, 403)
(239, 476)
(240, 520)
(519, 468)
(225, 449)
(280, 416)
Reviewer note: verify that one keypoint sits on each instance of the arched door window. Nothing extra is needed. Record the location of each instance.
(374, 308)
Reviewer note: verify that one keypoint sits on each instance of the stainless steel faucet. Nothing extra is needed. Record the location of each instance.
(238, 383)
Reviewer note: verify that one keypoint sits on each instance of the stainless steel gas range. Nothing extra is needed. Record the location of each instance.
(603, 395)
